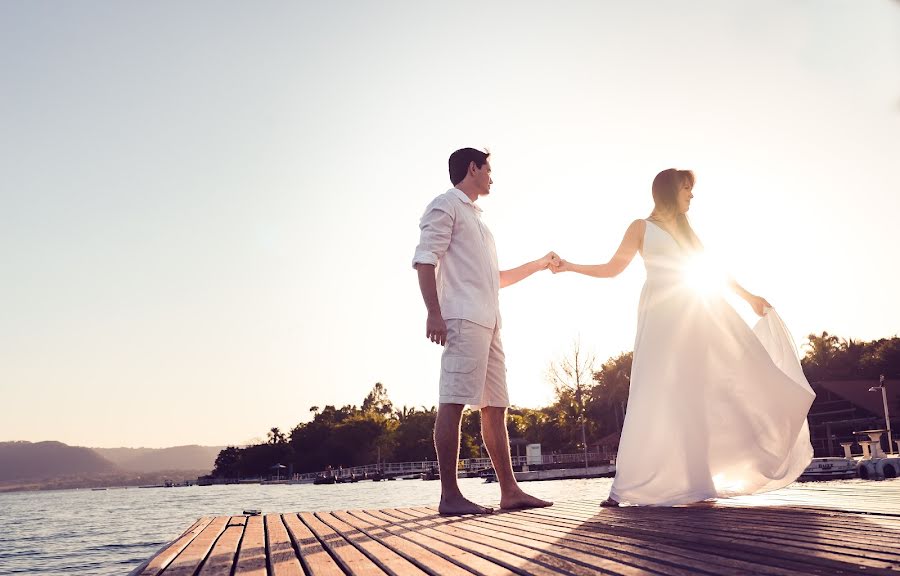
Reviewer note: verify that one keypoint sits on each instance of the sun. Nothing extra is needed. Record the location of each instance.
(703, 276)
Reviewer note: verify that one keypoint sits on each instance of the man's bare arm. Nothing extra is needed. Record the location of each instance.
(510, 277)
(435, 327)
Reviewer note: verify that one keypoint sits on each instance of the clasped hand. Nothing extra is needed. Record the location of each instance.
(551, 261)
(436, 327)
(556, 264)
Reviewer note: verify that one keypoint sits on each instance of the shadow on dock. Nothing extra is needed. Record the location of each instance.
(835, 528)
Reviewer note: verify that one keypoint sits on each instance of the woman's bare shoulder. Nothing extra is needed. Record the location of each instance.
(637, 226)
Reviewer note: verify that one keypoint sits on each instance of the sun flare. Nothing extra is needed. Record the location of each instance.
(703, 276)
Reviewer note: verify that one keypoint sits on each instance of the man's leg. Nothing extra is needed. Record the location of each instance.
(446, 444)
(493, 429)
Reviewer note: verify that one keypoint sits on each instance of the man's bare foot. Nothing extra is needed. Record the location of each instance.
(459, 506)
(610, 503)
(522, 500)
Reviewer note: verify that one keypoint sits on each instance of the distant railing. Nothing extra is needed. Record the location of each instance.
(466, 465)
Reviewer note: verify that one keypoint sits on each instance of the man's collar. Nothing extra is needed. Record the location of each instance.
(463, 198)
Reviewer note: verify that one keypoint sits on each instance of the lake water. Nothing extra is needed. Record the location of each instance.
(113, 531)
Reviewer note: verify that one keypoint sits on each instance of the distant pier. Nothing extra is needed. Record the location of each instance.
(833, 528)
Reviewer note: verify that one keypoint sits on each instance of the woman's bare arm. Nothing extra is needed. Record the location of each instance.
(631, 243)
(758, 303)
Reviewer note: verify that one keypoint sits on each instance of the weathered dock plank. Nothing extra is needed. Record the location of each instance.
(724, 536)
(346, 554)
(279, 548)
(162, 560)
(251, 557)
(388, 559)
(516, 528)
(835, 528)
(566, 538)
(409, 545)
(189, 560)
(518, 559)
(316, 561)
(221, 558)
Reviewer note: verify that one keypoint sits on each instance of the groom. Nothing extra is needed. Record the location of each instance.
(459, 278)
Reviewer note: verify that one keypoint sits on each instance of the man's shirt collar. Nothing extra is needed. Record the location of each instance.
(465, 199)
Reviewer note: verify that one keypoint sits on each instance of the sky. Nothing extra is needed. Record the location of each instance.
(208, 209)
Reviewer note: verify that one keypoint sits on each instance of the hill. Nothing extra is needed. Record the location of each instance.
(43, 460)
(191, 457)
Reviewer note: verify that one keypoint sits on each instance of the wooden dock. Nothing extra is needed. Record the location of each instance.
(830, 528)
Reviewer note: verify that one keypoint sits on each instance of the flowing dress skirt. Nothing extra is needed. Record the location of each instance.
(715, 409)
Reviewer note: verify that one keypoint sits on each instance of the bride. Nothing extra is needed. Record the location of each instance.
(715, 409)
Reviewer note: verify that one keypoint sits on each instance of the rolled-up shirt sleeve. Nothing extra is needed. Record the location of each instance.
(436, 227)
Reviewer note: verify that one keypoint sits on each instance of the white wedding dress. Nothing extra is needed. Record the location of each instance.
(715, 409)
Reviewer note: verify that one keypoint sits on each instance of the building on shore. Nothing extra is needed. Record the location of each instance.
(844, 407)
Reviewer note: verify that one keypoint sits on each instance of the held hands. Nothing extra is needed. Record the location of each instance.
(560, 266)
(551, 260)
(436, 327)
(555, 263)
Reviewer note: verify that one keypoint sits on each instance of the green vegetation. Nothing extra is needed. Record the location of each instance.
(377, 431)
(831, 358)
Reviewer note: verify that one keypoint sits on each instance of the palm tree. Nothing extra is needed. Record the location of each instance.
(403, 414)
(820, 354)
(276, 436)
(849, 357)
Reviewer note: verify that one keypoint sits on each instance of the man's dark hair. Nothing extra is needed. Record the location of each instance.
(460, 160)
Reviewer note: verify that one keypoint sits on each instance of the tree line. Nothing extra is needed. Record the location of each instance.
(829, 357)
(588, 408)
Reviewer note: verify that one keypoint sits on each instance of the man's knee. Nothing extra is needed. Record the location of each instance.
(446, 409)
(449, 416)
(493, 412)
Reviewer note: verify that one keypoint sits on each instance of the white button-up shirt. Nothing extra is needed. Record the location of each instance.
(460, 246)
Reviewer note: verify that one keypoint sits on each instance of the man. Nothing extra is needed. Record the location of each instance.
(460, 281)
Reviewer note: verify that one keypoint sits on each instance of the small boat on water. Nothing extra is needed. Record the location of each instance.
(329, 478)
(830, 469)
(348, 478)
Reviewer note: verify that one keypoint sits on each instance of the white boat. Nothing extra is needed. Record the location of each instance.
(830, 469)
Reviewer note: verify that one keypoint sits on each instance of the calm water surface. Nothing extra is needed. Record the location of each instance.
(113, 531)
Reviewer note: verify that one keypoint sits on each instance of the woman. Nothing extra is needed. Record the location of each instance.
(715, 409)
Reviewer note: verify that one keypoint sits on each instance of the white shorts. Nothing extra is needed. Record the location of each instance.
(473, 366)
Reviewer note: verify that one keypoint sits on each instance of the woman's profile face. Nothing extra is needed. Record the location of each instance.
(685, 193)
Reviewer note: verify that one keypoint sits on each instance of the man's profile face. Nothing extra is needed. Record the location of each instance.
(483, 178)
